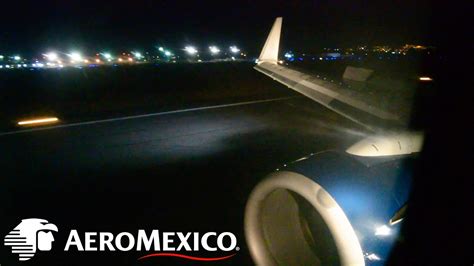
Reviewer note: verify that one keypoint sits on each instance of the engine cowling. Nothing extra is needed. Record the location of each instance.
(330, 208)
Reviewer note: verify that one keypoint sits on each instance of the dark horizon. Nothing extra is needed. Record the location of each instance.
(124, 25)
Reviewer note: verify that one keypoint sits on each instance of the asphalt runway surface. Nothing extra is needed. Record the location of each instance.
(175, 169)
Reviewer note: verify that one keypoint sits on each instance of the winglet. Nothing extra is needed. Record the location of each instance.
(270, 49)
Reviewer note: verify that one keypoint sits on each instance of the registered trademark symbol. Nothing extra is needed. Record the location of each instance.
(237, 248)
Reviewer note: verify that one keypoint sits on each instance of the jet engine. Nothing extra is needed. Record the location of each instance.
(333, 208)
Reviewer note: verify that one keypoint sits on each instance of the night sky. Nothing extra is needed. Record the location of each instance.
(36, 26)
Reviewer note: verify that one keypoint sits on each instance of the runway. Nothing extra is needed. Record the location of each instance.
(140, 116)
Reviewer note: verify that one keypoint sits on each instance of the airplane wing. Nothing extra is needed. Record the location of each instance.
(329, 94)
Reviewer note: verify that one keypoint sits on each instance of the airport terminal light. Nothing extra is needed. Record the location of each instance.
(51, 56)
(17, 58)
(234, 49)
(214, 49)
(75, 56)
(190, 50)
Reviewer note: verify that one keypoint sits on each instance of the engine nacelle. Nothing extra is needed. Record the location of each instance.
(331, 208)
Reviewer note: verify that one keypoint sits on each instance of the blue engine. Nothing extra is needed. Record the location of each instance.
(330, 208)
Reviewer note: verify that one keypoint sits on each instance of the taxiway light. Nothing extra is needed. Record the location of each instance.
(425, 79)
(45, 120)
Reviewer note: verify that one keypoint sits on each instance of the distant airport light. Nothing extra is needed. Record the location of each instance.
(425, 79)
(25, 65)
(107, 56)
(137, 55)
(161, 49)
(167, 53)
(289, 55)
(214, 49)
(17, 57)
(46, 120)
(86, 61)
(234, 49)
(190, 50)
(75, 56)
(97, 60)
(51, 56)
(130, 59)
(120, 59)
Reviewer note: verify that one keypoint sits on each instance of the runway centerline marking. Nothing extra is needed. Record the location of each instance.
(147, 115)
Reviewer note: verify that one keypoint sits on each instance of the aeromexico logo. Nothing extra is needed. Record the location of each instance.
(30, 236)
(33, 235)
